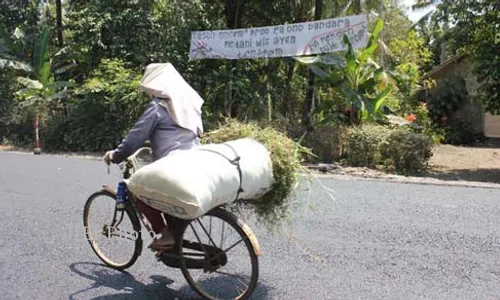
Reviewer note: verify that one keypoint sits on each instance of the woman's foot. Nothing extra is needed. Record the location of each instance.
(166, 241)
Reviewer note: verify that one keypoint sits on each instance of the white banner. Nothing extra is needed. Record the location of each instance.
(295, 39)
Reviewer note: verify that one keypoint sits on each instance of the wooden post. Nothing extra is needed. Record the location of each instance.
(309, 101)
(37, 150)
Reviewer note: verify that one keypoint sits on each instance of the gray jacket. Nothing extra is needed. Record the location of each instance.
(155, 125)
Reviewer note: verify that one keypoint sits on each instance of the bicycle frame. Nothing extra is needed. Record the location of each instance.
(188, 252)
(170, 258)
(132, 164)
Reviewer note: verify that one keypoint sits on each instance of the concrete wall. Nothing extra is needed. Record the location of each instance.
(463, 68)
(472, 110)
(491, 125)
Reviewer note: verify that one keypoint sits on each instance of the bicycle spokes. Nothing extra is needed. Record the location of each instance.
(209, 265)
(121, 213)
(114, 231)
(110, 232)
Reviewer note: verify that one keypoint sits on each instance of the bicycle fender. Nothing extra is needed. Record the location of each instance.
(107, 188)
(251, 236)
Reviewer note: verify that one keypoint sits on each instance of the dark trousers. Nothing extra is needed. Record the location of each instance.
(155, 217)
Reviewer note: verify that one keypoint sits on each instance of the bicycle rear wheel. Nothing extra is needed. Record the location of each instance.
(120, 229)
(204, 259)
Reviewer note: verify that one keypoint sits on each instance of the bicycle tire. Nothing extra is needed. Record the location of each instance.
(135, 224)
(233, 221)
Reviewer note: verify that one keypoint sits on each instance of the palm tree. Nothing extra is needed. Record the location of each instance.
(358, 6)
(59, 22)
(440, 14)
(318, 11)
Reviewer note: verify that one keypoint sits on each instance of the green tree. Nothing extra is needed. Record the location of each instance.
(404, 45)
(476, 31)
(411, 49)
(136, 33)
(20, 31)
(439, 16)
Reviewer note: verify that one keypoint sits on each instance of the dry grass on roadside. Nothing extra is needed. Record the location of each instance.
(6, 148)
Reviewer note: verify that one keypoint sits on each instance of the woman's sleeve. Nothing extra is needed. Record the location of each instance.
(138, 135)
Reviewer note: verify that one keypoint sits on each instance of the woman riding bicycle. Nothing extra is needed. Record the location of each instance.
(172, 121)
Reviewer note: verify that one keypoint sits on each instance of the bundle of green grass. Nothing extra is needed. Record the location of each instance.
(286, 155)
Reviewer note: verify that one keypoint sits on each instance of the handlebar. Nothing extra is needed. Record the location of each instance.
(134, 162)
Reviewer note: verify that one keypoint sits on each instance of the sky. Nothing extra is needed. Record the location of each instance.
(414, 16)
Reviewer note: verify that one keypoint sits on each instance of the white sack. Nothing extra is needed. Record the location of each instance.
(189, 183)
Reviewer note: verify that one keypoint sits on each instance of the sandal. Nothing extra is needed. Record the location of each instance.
(160, 245)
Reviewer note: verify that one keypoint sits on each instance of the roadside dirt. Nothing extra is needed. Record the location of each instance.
(477, 163)
(450, 165)
(6, 148)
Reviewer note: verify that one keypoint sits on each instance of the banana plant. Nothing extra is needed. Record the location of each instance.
(40, 89)
(356, 77)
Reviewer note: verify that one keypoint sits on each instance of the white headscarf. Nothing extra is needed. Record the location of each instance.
(161, 80)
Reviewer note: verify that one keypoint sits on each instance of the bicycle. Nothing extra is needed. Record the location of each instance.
(208, 256)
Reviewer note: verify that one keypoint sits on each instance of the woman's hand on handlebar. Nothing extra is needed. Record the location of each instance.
(108, 157)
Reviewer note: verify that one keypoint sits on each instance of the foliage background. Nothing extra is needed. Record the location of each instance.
(95, 52)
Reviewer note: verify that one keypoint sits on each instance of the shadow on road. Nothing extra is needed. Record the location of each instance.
(491, 142)
(130, 288)
(480, 175)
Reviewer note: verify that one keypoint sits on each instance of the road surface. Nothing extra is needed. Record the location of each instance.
(372, 240)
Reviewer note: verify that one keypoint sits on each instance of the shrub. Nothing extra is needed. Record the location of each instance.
(327, 142)
(421, 122)
(20, 130)
(363, 145)
(398, 149)
(7, 102)
(407, 152)
(102, 110)
(459, 131)
(448, 97)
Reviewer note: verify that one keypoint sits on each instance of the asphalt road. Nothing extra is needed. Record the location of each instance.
(374, 240)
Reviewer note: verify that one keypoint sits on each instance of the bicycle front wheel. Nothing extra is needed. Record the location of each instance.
(115, 236)
(218, 258)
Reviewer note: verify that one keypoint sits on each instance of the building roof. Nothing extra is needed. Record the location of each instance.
(447, 63)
